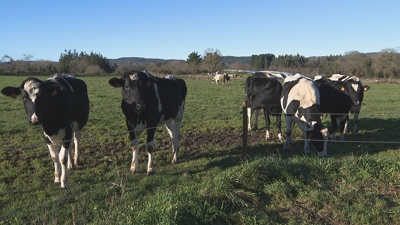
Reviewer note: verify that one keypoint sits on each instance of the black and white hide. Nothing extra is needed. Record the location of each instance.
(300, 102)
(264, 93)
(360, 88)
(337, 98)
(148, 102)
(60, 105)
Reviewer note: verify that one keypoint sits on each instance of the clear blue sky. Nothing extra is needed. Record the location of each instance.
(172, 29)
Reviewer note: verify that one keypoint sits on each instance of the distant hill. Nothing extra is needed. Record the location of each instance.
(138, 60)
(226, 59)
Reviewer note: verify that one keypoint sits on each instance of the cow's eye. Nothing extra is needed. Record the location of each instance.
(126, 87)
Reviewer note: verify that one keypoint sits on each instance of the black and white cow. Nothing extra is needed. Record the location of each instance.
(264, 93)
(147, 102)
(300, 104)
(360, 88)
(337, 97)
(60, 105)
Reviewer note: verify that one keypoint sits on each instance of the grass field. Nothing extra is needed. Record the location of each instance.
(358, 183)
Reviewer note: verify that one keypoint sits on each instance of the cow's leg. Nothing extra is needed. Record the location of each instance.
(303, 127)
(289, 127)
(134, 135)
(135, 148)
(267, 124)
(256, 113)
(63, 157)
(150, 149)
(279, 125)
(174, 130)
(54, 153)
(306, 141)
(77, 137)
(334, 124)
(325, 134)
(346, 124)
(174, 133)
(249, 114)
(356, 114)
(343, 121)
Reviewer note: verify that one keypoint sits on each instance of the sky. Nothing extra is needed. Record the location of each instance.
(172, 29)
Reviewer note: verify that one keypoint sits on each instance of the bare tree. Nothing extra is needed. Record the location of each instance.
(386, 63)
(212, 60)
(27, 58)
(10, 61)
(355, 63)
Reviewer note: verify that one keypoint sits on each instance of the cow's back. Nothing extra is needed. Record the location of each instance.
(263, 91)
(80, 99)
(172, 95)
(301, 96)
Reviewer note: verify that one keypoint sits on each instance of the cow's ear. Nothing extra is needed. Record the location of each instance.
(342, 88)
(366, 88)
(12, 92)
(56, 89)
(115, 82)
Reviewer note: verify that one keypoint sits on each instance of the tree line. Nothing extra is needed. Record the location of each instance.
(383, 64)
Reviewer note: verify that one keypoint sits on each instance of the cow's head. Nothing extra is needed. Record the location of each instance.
(347, 89)
(317, 138)
(355, 83)
(36, 95)
(132, 86)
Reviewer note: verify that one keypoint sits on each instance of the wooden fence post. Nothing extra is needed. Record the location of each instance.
(244, 145)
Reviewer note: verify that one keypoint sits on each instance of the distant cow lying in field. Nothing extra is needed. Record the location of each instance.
(60, 105)
(224, 78)
(147, 102)
(300, 103)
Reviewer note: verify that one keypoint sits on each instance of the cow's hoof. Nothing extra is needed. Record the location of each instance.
(151, 172)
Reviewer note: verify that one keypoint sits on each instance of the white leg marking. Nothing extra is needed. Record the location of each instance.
(54, 151)
(325, 134)
(63, 157)
(135, 148)
(280, 137)
(150, 169)
(267, 135)
(249, 119)
(77, 138)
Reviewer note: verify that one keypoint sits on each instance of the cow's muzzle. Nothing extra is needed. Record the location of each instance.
(34, 120)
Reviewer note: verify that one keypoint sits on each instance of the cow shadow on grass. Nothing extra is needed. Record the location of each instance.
(222, 150)
(375, 135)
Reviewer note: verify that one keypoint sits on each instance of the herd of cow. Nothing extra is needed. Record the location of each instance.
(303, 101)
(60, 105)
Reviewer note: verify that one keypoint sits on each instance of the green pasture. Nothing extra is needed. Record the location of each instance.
(358, 183)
